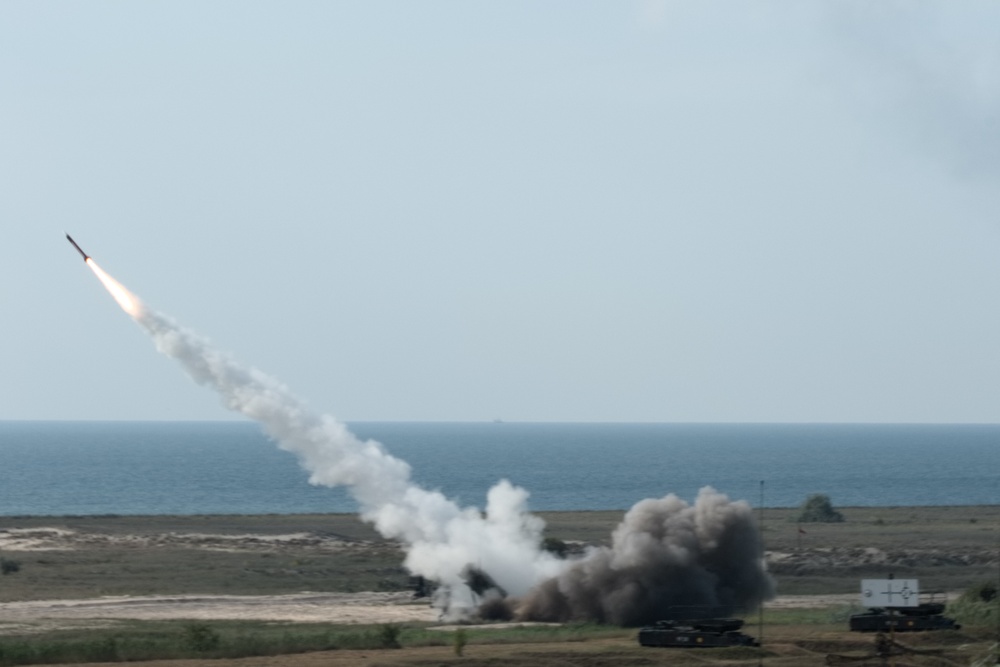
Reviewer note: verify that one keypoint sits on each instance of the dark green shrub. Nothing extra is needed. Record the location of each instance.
(100, 650)
(8, 566)
(984, 592)
(460, 640)
(818, 509)
(388, 635)
(977, 606)
(201, 637)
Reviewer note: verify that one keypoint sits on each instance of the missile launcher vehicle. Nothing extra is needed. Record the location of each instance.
(696, 633)
(925, 616)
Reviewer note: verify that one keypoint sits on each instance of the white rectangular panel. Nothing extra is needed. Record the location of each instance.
(890, 592)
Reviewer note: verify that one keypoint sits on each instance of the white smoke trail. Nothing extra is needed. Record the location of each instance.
(442, 538)
(665, 553)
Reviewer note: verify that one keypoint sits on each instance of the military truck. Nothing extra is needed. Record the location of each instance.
(696, 633)
(925, 616)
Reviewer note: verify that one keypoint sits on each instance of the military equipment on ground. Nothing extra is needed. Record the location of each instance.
(700, 633)
(421, 587)
(480, 582)
(925, 616)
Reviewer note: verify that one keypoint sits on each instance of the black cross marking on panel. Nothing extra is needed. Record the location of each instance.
(905, 592)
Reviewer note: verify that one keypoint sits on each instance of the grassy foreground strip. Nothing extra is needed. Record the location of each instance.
(140, 641)
(799, 637)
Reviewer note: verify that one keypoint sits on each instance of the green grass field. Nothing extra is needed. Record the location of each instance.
(791, 639)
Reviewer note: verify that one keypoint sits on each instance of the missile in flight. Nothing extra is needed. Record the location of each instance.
(78, 248)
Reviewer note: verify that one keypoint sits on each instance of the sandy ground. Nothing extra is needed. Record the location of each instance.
(370, 607)
(60, 539)
(299, 607)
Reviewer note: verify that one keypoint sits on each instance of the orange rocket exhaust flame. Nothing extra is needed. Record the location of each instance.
(128, 301)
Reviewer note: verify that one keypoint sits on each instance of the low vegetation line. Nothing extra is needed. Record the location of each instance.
(158, 640)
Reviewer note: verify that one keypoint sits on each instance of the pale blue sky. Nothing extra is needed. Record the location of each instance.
(573, 211)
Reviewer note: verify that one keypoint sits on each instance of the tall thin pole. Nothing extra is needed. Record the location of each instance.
(760, 612)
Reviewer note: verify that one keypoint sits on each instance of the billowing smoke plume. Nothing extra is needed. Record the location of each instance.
(667, 560)
(664, 554)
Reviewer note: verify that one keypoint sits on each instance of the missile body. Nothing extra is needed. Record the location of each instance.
(78, 248)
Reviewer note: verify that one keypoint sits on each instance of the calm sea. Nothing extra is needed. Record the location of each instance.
(60, 468)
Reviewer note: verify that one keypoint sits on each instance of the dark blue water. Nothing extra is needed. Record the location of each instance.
(58, 468)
